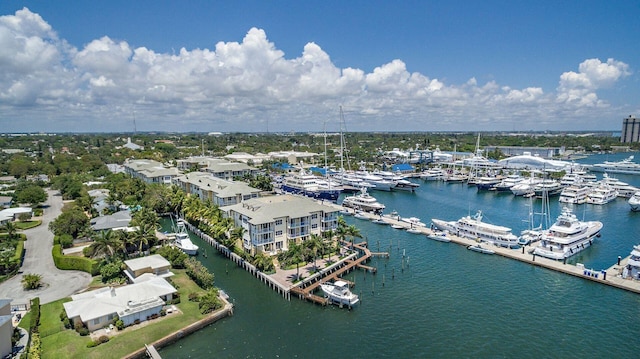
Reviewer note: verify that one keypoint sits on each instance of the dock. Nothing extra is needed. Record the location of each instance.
(611, 276)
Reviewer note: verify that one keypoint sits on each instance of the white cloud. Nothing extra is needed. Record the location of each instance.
(242, 85)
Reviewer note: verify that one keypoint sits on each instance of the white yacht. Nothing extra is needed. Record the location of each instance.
(634, 202)
(378, 182)
(338, 292)
(623, 188)
(487, 182)
(473, 228)
(401, 183)
(602, 194)
(576, 193)
(413, 221)
(567, 236)
(525, 186)
(626, 166)
(508, 182)
(363, 201)
(306, 184)
(183, 241)
(433, 174)
(551, 187)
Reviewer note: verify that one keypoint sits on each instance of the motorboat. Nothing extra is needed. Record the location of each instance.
(380, 221)
(525, 187)
(567, 236)
(634, 202)
(440, 236)
(576, 193)
(472, 227)
(401, 183)
(338, 292)
(602, 194)
(363, 201)
(626, 166)
(413, 221)
(397, 226)
(480, 249)
(414, 230)
(360, 215)
(378, 182)
(306, 184)
(183, 241)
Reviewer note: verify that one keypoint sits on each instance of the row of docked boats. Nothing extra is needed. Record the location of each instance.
(330, 187)
(564, 238)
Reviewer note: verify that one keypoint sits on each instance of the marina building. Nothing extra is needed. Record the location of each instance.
(150, 171)
(270, 223)
(543, 152)
(218, 167)
(630, 130)
(219, 191)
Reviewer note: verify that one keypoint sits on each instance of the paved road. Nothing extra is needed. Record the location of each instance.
(57, 283)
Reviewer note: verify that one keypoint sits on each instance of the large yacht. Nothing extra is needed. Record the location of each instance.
(473, 228)
(626, 166)
(363, 201)
(305, 184)
(576, 193)
(632, 269)
(508, 182)
(551, 187)
(567, 236)
(634, 202)
(401, 183)
(433, 174)
(623, 188)
(378, 182)
(602, 194)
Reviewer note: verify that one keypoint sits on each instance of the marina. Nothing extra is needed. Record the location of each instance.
(418, 267)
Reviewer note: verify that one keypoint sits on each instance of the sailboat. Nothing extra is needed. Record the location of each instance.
(534, 234)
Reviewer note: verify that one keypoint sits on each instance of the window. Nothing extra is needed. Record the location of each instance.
(314, 226)
(96, 321)
(278, 233)
(278, 222)
(314, 216)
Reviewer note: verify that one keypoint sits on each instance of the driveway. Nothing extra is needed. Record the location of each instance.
(57, 283)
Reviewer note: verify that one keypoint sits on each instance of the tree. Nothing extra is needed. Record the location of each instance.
(11, 229)
(72, 221)
(31, 281)
(31, 194)
(144, 235)
(105, 244)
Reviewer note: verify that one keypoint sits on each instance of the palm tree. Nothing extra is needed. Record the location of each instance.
(236, 235)
(105, 244)
(143, 235)
(314, 245)
(11, 229)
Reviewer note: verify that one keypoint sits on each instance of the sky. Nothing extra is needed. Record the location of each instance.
(289, 66)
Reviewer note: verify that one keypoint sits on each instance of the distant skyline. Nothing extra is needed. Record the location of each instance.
(280, 66)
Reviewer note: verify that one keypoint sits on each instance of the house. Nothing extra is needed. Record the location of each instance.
(271, 223)
(134, 302)
(141, 269)
(5, 201)
(12, 214)
(116, 221)
(151, 171)
(6, 328)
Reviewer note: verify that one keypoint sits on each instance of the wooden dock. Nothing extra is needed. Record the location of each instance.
(305, 290)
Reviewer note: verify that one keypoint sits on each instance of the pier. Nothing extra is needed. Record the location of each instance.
(611, 276)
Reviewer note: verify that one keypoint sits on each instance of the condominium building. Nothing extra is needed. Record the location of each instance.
(271, 223)
(150, 171)
(630, 130)
(219, 191)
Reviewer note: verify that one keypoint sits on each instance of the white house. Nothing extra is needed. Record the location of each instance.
(98, 308)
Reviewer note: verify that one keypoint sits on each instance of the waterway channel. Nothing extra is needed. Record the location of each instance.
(440, 300)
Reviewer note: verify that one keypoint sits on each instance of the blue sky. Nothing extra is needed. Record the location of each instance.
(288, 65)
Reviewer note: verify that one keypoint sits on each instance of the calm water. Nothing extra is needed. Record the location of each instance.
(443, 301)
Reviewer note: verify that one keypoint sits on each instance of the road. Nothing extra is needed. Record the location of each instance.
(57, 283)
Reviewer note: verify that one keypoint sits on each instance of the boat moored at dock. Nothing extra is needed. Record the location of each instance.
(567, 236)
(474, 228)
(634, 202)
(338, 292)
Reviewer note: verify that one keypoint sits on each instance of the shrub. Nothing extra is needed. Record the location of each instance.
(103, 339)
(66, 241)
(35, 315)
(210, 301)
(92, 344)
(75, 263)
(119, 324)
(194, 297)
(199, 273)
(110, 271)
(82, 331)
(163, 312)
(34, 346)
(137, 321)
(174, 255)
(31, 281)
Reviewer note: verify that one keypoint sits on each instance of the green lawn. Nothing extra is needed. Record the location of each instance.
(27, 224)
(58, 342)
